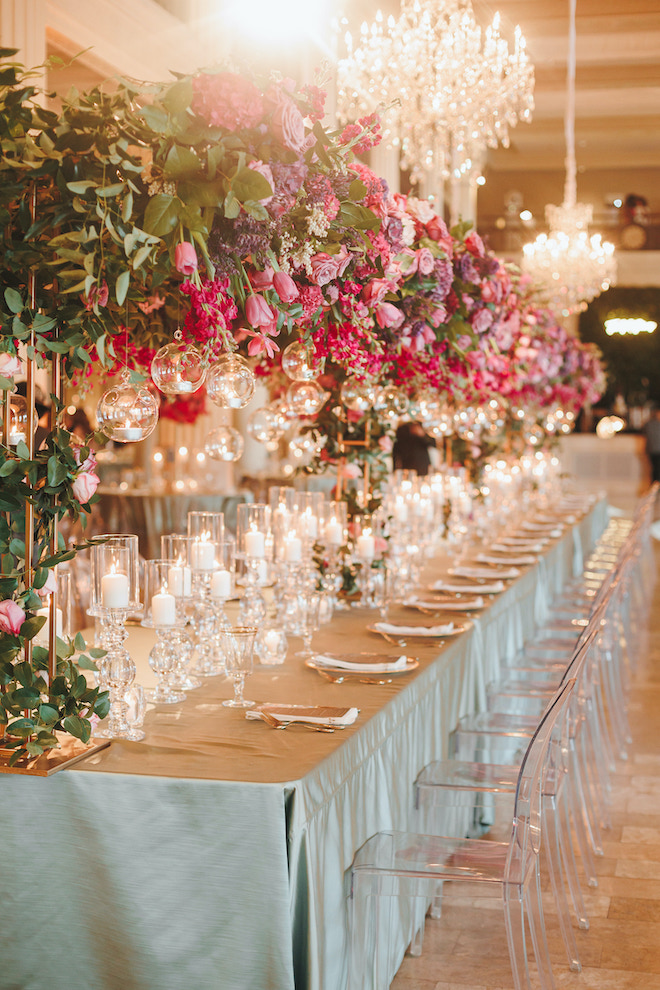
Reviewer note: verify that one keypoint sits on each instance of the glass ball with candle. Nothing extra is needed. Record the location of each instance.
(224, 443)
(267, 425)
(300, 361)
(127, 412)
(306, 398)
(271, 644)
(178, 368)
(18, 421)
(230, 382)
(358, 396)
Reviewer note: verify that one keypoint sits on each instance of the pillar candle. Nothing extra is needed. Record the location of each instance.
(114, 590)
(163, 609)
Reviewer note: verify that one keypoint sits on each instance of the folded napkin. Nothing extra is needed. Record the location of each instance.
(484, 589)
(368, 663)
(505, 573)
(515, 558)
(544, 529)
(395, 630)
(314, 714)
(522, 546)
(460, 605)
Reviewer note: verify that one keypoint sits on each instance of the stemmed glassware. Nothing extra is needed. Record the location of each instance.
(239, 650)
(163, 612)
(176, 547)
(307, 620)
(252, 538)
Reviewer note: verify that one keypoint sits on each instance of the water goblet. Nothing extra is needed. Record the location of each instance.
(307, 615)
(239, 649)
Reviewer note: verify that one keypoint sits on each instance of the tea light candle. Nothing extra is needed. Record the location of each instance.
(255, 543)
(366, 545)
(179, 580)
(221, 584)
(310, 524)
(163, 609)
(202, 555)
(334, 533)
(292, 548)
(42, 637)
(400, 510)
(114, 590)
(127, 434)
(272, 641)
(181, 386)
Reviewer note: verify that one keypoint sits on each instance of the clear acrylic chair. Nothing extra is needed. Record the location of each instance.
(395, 876)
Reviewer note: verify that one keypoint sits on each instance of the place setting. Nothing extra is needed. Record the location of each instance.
(367, 668)
(316, 717)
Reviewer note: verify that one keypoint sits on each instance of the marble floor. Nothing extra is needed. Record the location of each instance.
(466, 949)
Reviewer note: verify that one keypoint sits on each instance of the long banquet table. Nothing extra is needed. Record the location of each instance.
(215, 853)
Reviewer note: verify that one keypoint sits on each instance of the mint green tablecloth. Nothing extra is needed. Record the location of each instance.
(215, 854)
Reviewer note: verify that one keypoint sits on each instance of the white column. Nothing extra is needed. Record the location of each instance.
(385, 163)
(23, 26)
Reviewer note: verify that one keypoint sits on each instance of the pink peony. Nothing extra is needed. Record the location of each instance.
(425, 261)
(258, 312)
(288, 125)
(285, 287)
(12, 617)
(10, 366)
(185, 258)
(84, 486)
(227, 100)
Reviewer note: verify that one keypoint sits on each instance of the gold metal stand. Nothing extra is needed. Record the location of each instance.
(70, 751)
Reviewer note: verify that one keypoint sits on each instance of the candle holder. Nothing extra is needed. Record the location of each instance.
(115, 597)
(203, 613)
(365, 548)
(221, 590)
(176, 547)
(271, 644)
(163, 613)
(253, 542)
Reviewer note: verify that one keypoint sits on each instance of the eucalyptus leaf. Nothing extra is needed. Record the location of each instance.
(13, 300)
(161, 215)
(121, 287)
(78, 727)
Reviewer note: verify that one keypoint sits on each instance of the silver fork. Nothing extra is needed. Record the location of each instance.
(276, 724)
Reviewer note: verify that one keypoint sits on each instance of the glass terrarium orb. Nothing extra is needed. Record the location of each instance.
(266, 425)
(304, 445)
(18, 421)
(391, 403)
(357, 396)
(306, 398)
(300, 361)
(443, 423)
(425, 406)
(465, 423)
(178, 368)
(224, 444)
(127, 413)
(230, 382)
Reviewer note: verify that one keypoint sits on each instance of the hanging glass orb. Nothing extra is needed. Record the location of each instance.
(230, 382)
(306, 398)
(304, 445)
(178, 368)
(266, 425)
(301, 363)
(391, 403)
(127, 413)
(465, 423)
(534, 436)
(224, 444)
(424, 407)
(443, 424)
(357, 396)
(18, 421)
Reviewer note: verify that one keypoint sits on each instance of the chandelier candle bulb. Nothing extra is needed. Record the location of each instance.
(114, 590)
(180, 580)
(163, 609)
(255, 543)
(202, 555)
(221, 584)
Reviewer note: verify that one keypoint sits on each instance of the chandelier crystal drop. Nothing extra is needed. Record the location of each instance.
(451, 89)
(569, 267)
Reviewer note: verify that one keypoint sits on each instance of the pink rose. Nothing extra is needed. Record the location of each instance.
(436, 229)
(50, 584)
(288, 125)
(388, 315)
(425, 261)
(185, 258)
(10, 366)
(12, 617)
(258, 312)
(375, 291)
(481, 320)
(263, 169)
(385, 444)
(475, 245)
(285, 287)
(326, 267)
(84, 486)
(407, 259)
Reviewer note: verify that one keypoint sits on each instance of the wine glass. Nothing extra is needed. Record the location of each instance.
(307, 620)
(238, 642)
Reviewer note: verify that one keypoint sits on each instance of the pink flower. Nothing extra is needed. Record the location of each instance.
(388, 315)
(375, 291)
(261, 342)
(436, 229)
(262, 280)
(475, 245)
(227, 99)
(425, 261)
(481, 320)
(385, 444)
(326, 267)
(288, 125)
(351, 470)
(12, 617)
(152, 303)
(263, 169)
(185, 258)
(84, 486)
(285, 287)
(98, 295)
(10, 366)
(258, 312)
(50, 584)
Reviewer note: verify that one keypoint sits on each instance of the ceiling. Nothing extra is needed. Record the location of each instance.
(617, 96)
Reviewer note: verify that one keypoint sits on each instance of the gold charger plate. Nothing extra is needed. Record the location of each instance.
(339, 674)
(391, 637)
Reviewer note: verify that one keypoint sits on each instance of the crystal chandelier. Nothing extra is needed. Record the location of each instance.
(569, 267)
(451, 90)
